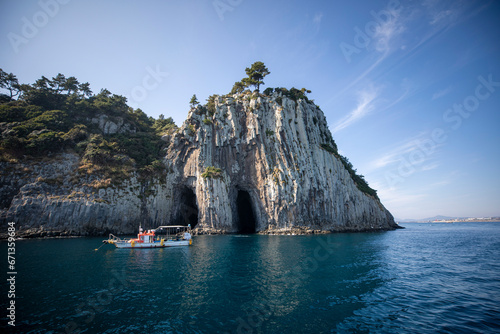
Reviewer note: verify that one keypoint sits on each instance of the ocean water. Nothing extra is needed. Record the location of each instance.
(427, 278)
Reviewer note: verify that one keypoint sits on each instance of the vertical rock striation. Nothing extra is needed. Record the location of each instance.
(51, 198)
(273, 149)
(248, 163)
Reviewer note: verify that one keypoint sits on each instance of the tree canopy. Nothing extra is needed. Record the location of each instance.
(256, 73)
(238, 87)
(9, 82)
(52, 115)
(194, 101)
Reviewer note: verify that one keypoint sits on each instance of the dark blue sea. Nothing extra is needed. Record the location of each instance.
(427, 278)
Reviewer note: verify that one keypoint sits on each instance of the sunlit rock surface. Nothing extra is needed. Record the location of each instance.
(268, 173)
(270, 148)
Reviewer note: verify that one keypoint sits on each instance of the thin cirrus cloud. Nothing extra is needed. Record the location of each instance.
(358, 79)
(363, 108)
(317, 20)
(403, 151)
(384, 43)
(392, 156)
(398, 197)
(445, 12)
(441, 93)
(388, 31)
(408, 91)
(430, 167)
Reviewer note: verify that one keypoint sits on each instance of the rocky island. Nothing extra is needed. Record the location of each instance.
(74, 163)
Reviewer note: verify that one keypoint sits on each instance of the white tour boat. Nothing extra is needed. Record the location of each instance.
(175, 235)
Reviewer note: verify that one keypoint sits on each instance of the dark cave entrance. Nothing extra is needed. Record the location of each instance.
(246, 218)
(188, 210)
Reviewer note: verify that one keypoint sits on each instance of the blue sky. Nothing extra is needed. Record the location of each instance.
(410, 89)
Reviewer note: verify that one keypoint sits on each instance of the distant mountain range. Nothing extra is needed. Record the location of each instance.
(441, 218)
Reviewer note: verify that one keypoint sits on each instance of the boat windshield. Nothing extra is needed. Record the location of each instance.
(172, 230)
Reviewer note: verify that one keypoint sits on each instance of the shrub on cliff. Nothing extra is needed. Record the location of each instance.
(210, 107)
(44, 142)
(77, 134)
(56, 114)
(294, 93)
(359, 180)
(142, 147)
(164, 126)
(238, 88)
(100, 151)
(268, 91)
(212, 173)
(332, 149)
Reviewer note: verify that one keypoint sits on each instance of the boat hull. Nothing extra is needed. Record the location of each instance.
(158, 244)
(176, 235)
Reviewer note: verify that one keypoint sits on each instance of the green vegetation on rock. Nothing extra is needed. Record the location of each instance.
(359, 180)
(60, 114)
(212, 173)
(194, 101)
(256, 73)
(294, 93)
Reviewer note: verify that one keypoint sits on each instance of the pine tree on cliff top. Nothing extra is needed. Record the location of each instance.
(256, 73)
(194, 101)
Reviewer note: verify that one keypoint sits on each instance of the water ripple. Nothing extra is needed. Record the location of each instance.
(425, 279)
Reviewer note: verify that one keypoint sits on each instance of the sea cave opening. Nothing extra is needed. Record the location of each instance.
(246, 218)
(188, 210)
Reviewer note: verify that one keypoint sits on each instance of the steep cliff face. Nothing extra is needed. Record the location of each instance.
(51, 198)
(247, 163)
(272, 171)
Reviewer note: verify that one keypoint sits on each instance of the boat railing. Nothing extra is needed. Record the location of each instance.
(114, 238)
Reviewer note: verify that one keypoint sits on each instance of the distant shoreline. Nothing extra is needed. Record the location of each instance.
(452, 221)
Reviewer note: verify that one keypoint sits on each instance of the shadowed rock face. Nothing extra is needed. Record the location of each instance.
(187, 212)
(245, 222)
(268, 174)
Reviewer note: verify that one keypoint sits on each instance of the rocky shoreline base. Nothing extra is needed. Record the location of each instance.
(41, 233)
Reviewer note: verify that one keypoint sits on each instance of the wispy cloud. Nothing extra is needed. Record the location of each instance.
(317, 20)
(446, 180)
(439, 184)
(441, 93)
(386, 32)
(396, 198)
(430, 166)
(392, 155)
(444, 15)
(408, 90)
(444, 12)
(363, 108)
(406, 202)
(358, 78)
(420, 144)
(452, 12)
(384, 42)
